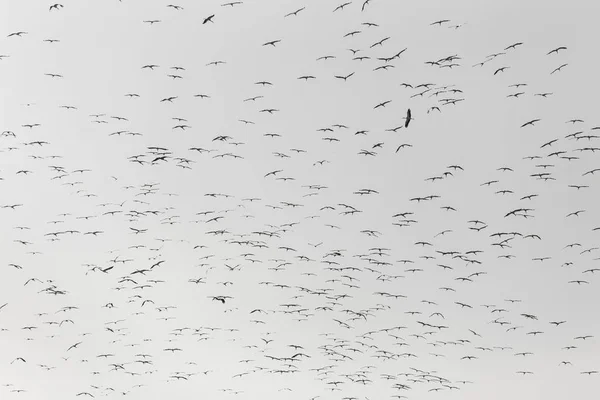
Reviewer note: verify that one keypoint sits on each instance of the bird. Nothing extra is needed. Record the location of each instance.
(382, 104)
(558, 69)
(408, 118)
(341, 6)
(344, 77)
(294, 13)
(272, 43)
(513, 46)
(556, 50)
(74, 346)
(530, 123)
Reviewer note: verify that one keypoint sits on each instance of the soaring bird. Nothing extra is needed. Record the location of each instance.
(294, 13)
(558, 69)
(556, 50)
(20, 33)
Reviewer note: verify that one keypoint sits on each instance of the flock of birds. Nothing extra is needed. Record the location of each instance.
(234, 245)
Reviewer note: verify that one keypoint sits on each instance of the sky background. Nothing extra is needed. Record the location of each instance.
(80, 177)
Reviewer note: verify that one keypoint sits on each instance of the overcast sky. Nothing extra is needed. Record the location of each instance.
(188, 210)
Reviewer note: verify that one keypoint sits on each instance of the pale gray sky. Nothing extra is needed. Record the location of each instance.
(120, 250)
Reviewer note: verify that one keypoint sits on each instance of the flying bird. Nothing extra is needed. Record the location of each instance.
(294, 13)
(530, 123)
(558, 69)
(556, 50)
(408, 118)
